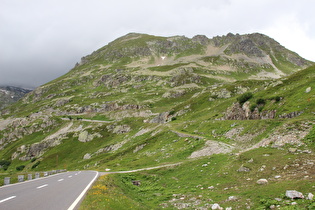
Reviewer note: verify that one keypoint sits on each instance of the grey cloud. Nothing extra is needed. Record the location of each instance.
(41, 40)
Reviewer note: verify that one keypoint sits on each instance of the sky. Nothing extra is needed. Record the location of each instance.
(41, 40)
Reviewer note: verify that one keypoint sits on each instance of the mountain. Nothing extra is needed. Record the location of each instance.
(231, 110)
(11, 94)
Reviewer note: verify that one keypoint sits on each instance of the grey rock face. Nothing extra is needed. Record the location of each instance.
(293, 194)
(238, 112)
(161, 118)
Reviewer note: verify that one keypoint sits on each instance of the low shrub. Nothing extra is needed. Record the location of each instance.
(35, 165)
(20, 168)
(244, 97)
(5, 164)
(260, 101)
(253, 107)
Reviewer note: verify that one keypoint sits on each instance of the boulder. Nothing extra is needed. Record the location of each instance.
(262, 181)
(161, 118)
(243, 169)
(293, 194)
(118, 129)
(136, 182)
(216, 206)
(232, 198)
(84, 136)
(87, 156)
(292, 150)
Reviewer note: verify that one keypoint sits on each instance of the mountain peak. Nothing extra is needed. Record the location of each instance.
(253, 49)
(145, 101)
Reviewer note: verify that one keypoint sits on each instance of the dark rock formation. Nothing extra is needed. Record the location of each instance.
(238, 112)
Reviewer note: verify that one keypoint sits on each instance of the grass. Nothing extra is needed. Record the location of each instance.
(105, 194)
(215, 179)
(199, 182)
(167, 67)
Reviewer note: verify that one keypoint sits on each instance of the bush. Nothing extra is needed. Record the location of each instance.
(172, 112)
(277, 98)
(244, 97)
(260, 101)
(5, 164)
(20, 168)
(252, 107)
(35, 165)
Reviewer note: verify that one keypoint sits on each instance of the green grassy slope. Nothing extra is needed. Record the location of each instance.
(118, 114)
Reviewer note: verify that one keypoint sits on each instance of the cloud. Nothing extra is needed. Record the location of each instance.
(41, 40)
(294, 34)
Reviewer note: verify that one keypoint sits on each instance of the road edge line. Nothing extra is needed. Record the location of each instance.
(35, 179)
(75, 203)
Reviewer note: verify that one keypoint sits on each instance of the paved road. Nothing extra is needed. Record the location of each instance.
(60, 191)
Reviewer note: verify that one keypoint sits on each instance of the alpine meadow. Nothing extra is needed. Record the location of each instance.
(226, 123)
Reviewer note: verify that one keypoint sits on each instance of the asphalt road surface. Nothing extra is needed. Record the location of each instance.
(59, 191)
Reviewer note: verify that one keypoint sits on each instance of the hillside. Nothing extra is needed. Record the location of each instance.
(232, 109)
(10, 94)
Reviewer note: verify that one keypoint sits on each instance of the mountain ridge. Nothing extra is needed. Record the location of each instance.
(11, 94)
(145, 101)
(251, 48)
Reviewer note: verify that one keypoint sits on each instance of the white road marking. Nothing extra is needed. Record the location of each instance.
(60, 180)
(9, 198)
(69, 176)
(82, 193)
(45, 185)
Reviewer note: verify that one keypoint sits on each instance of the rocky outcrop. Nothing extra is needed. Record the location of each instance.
(238, 112)
(184, 76)
(112, 80)
(161, 118)
(20, 127)
(174, 93)
(221, 93)
(291, 115)
(118, 129)
(62, 102)
(84, 136)
(245, 46)
(39, 148)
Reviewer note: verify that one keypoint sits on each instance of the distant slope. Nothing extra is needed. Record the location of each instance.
(10, 94)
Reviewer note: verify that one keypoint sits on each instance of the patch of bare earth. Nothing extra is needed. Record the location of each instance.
(212, 147)
(281, 136)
